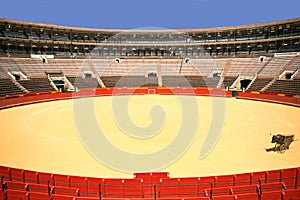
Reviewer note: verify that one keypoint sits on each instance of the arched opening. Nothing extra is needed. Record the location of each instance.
(245, 83)
(288, 76)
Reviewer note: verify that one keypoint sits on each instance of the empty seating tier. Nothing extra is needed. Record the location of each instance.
(36, 84)
(32, 73)
(84, 82)
(260, 83)
(288, 86)
(7, 87)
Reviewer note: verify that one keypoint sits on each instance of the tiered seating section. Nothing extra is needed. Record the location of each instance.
(7, 87)
(129, 81)
(25, 38)
(24, 184)
(238, 66)
(260, 83)
(190, 81)
(228, 80)
(274, 66)
(84, 82)
(285, 86)
(36, 84)
(132, 72)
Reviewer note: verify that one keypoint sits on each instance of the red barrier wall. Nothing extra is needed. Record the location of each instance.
(24, 99)
(287, 99)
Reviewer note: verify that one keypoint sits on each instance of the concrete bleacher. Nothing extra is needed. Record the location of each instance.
(127, 67)
(203, 67)
(36, 68)
(132, 72)
(288, 86)
(136, 81)
(228, 81)
(175, 81)
(7, 87)
(245, 66)
(110, 81)
(199, 81)
(274, 66)
(260, 83)
(84, 82)
(37, 84)
(295, 65)
(26, 184)
(129, 81)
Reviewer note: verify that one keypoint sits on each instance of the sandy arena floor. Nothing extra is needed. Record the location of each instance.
(44, 137)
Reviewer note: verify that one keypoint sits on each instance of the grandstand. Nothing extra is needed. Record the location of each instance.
(213, 73)
(221, 57)
(42, 62)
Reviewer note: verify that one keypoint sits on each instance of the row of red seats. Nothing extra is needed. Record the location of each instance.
(263, 191)
(293, 194)
(233, 190)
(33, 187)
(142, 185)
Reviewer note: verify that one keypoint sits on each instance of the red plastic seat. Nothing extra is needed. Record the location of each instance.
(224, 181)
(4, 174)
(132, 188)
(65, 190)
(113, 188)
(38, 196)
(180, 198)
(62, 197)
(256, 176)
(189, 187)
(220, 191)
(44, 178)
(272, 186)
(15, 185)
(80, 183)
(41, 188)
(151, 177)
(271, 195)
(61, 180)
(87, 198)
(16, 174)
(168, 188)
(16, 195)
(242, 179)
(224, 197)
(244, 189)
(293, 194)
(95, 186)
(289, 177)
(273, 176)
(30, 176)
(115, 199)
(206, 182)
(247, 196)
(123, 188)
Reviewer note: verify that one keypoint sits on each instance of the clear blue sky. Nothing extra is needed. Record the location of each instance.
(131, 14)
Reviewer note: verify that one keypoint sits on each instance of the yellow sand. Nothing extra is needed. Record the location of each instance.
(43, 137)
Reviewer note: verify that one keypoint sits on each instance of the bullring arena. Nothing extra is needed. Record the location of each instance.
(244, 95)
